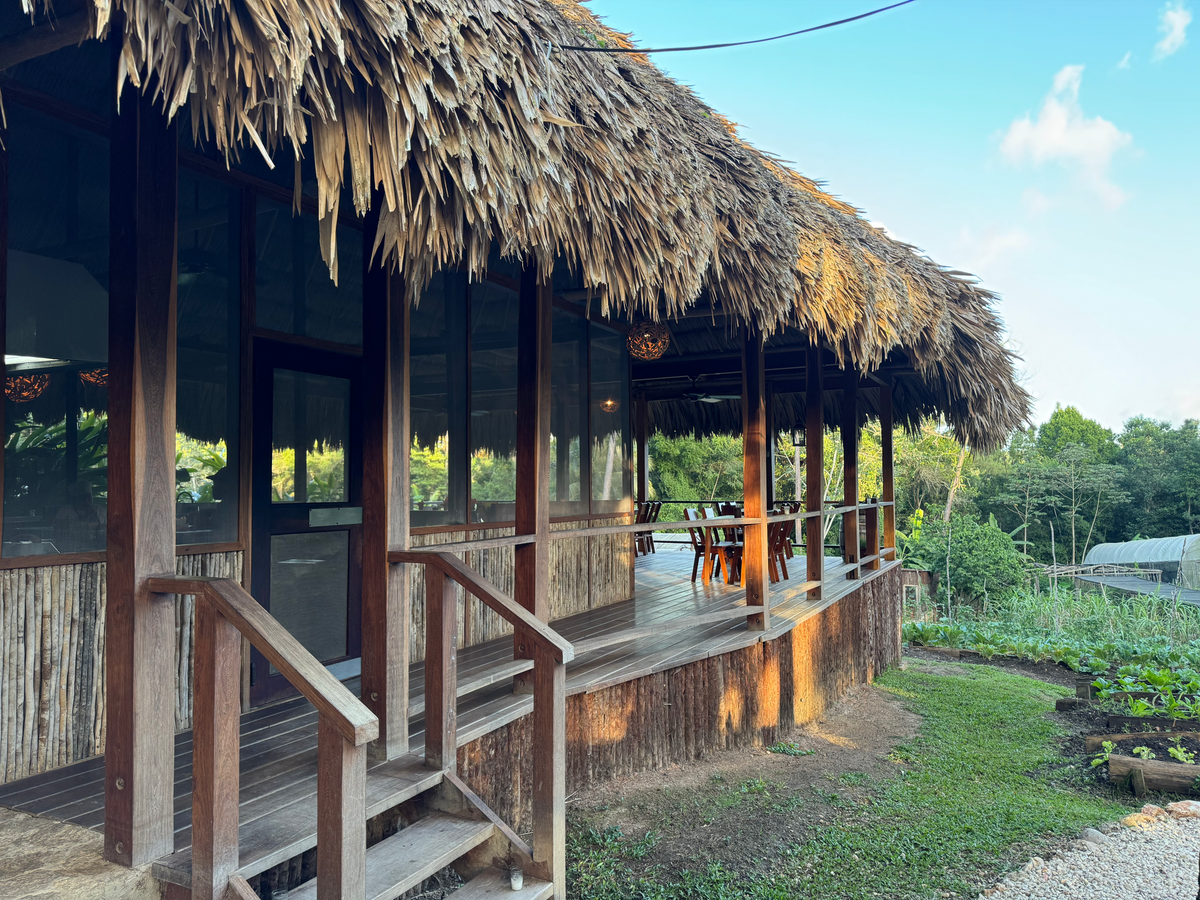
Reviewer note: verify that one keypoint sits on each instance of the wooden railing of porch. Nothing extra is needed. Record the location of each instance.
(551, 652)
(225, 613)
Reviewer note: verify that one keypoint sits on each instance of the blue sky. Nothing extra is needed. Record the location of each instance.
(1052, 148)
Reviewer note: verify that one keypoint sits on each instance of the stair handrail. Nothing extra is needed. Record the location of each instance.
(508, 609)
(225, 613)
(550, 651)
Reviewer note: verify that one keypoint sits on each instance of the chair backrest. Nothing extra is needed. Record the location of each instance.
(655, 511)
(643, 511)
(694, 533)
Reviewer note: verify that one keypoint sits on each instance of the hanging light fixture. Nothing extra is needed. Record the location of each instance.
(96, 377)
(610, 405)
(23, 388)
(648, 340)
(798, 438)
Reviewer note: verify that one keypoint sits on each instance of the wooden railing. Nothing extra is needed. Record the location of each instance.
(550, 651)
(225, 614)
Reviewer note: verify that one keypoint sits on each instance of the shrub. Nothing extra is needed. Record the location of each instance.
(983, 559)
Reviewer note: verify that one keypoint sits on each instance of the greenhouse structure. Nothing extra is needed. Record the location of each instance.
(1177, 557)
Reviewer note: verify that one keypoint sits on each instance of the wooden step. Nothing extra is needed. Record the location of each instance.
(410, 856)
(267, 838)
(492, 884)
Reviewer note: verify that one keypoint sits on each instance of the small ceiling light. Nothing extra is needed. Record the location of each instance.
(97, 377)
(648, 340)
(23, 388)
(610, 405)
(798, 438)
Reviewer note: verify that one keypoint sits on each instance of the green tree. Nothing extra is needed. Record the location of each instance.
(1067, 426)
(983, 560)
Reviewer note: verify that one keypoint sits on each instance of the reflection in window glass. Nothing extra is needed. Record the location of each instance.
(309, 589)
(56, 414)
(567, 413)
(293, 291)
(493, 425)
(310, 412)
(610, 418)
(206, 476)
(438, 394)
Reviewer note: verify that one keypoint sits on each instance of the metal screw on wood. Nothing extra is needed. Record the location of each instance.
(120, 784)
(120, 846)
(374, 696)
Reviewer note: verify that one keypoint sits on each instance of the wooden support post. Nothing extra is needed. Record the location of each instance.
(642, 435)
(754, 478)
(386, 447)
(850, 541)
(140, 642)
(215, 754)
(341, 815)
(886, 427)
(441, 670)
(814, 469)
(532, 561)
(769, 403)
(871, 525)
(550, 770)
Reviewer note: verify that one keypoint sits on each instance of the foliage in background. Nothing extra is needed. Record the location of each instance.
(201, 460)
(984, 561)
(326, 474)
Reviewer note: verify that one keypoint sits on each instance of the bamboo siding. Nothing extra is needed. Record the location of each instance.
(585, 573)
(748, 697)
(52, 660)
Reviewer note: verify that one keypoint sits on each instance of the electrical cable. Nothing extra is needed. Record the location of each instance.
(777, 37)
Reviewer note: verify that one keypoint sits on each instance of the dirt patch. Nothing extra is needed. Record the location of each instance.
(743, 807)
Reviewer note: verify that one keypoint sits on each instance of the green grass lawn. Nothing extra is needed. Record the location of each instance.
(975, 794)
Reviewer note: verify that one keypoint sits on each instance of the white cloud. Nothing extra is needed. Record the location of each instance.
(1062, 133)
(993, 243)
(1035, 201)
(1125, 60)
(1172, 25)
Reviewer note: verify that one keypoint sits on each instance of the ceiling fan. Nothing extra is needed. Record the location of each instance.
(704, 397)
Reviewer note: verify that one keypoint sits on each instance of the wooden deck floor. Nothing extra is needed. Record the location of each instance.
(278, 763)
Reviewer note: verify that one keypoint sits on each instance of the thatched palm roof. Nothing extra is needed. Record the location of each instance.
(473, 128)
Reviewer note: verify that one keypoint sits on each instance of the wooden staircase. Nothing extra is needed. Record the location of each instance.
(235, 838)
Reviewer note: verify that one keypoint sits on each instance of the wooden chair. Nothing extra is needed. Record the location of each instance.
(718, 552)
(640, 517)
(652, 516)
(777, 541)
(729, 550)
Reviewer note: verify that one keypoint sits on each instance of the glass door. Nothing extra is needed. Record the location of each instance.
(306, 555)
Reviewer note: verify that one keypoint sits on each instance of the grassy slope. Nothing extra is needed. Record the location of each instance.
(979, 785)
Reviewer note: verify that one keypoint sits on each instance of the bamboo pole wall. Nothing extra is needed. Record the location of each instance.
(585, 573)
(52, 708)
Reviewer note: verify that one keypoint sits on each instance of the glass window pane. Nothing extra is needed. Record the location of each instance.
(310, 587)
(293, 291)
(438, 394)
(310, 412)
(206, 427)
(56, 417)
(493, 402)
(567, 413)
(610, 419)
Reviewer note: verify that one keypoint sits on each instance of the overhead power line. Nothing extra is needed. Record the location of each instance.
(776, 37)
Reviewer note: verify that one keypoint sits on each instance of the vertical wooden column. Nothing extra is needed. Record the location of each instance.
(771, 438)
(140, 643)
(641, 427)
(532, 575)
(814, 468)
(550, 770)
(386, 447)
(754, 477)
(341, 825)
(216, 743)
(441, 671)
(886, 426)
(850, 540)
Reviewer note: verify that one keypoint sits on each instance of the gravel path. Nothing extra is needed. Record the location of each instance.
(1155, 861)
